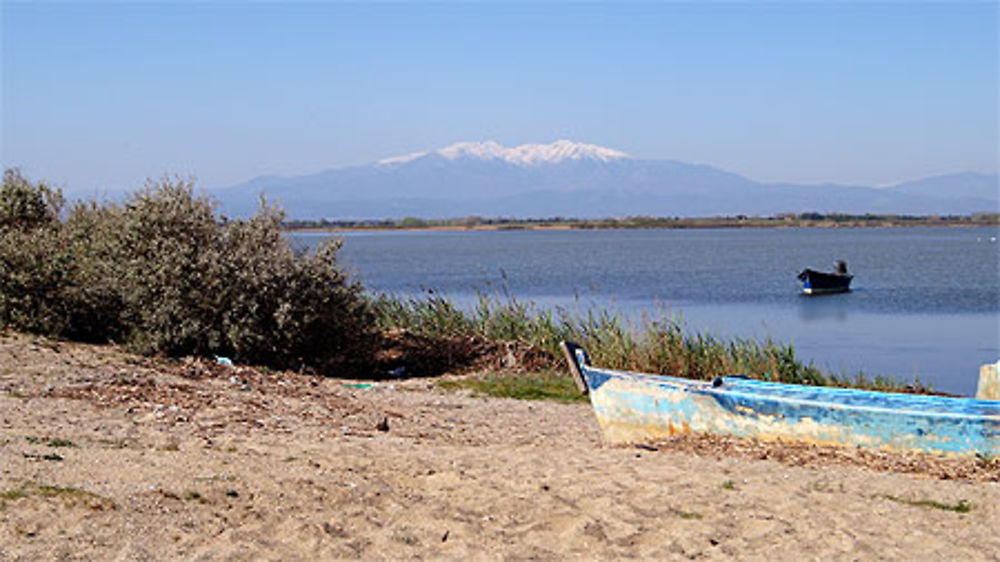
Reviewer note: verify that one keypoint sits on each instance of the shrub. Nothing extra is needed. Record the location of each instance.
(166, 275)
(36, 267)
(26, 206)
(34, 275)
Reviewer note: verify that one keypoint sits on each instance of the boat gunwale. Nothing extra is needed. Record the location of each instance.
(689, 385)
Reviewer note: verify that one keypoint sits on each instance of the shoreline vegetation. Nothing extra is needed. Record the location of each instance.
(163, 274)
(785, 220)
(656, 344)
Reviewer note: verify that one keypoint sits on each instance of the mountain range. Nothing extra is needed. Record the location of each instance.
(572, 179)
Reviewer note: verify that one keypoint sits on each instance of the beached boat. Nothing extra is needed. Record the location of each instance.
(820, 282)
(636, 407)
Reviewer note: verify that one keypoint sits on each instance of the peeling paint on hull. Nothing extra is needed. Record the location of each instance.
(633, 407)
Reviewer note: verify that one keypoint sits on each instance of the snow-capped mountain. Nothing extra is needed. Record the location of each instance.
(567, 178)
(523, 155)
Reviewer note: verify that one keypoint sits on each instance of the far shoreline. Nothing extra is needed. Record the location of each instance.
(804, 220)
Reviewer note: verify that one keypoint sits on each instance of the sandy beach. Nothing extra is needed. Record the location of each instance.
(109, 456)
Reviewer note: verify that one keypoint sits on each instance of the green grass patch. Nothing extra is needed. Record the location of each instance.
(13, 494)
(547, 385)
(961, 507)
(53, 442)
(686, 514)
(69, 495)
(63, 491)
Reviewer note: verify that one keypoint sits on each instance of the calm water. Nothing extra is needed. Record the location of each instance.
(925, 304)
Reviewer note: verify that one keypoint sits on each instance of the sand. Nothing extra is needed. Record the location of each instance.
(105, 455)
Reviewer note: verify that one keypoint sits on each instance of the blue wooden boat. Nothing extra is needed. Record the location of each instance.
(821, 282)
(636, 407)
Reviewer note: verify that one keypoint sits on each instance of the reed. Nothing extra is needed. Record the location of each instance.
(657, 343)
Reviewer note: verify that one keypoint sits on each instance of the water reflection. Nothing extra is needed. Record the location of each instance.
(821, 308)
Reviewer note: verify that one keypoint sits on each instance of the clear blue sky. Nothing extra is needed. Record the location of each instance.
(102, 96)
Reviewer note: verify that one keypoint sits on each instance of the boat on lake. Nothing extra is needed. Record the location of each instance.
(821, 282)
(636, 407)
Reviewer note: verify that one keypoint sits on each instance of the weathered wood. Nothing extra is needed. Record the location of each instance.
(989, 382)
(569, 351)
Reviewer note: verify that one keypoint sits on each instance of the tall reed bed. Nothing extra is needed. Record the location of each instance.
(657, 343)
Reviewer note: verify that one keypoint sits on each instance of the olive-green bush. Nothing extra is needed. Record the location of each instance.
(164, 274)
(24, 205)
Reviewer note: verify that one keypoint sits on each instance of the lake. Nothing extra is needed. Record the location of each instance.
(925, 304)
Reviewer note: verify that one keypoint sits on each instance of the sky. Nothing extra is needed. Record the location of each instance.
(101, 96)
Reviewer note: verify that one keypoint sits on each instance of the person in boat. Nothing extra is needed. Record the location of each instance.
(818, 282)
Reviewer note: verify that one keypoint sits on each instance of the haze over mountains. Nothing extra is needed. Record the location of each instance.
(573, 179)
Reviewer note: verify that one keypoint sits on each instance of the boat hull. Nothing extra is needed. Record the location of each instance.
(633, 407)
(820, 283)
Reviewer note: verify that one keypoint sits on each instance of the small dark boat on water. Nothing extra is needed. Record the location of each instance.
(821, 282)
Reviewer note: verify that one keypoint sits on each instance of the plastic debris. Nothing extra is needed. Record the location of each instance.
(223, 361)
(359, 385)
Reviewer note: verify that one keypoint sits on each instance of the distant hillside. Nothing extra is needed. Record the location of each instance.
(567, 178)
(966, 185)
